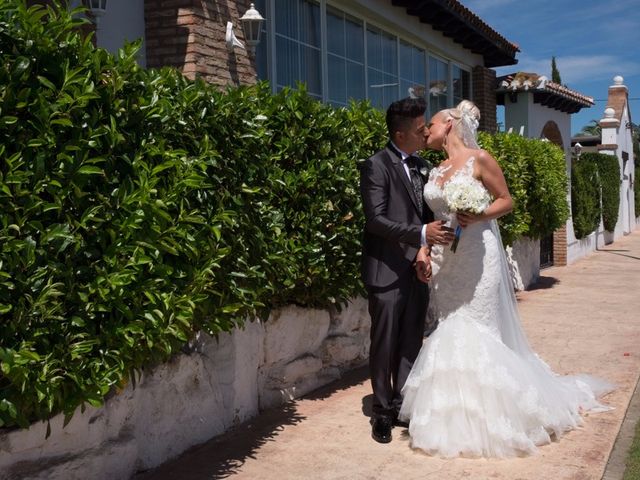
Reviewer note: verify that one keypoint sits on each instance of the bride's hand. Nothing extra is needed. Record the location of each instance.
(466, 218)
(438, 233)
(423, 265)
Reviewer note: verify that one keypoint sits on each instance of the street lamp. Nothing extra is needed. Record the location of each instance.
(577, 150)
(252, 26)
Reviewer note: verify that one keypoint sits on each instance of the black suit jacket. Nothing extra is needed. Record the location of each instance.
(393, 225)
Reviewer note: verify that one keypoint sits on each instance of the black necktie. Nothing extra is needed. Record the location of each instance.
(416, 180)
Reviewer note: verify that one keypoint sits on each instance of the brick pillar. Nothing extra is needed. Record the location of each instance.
(484, 96)
(190, 35)
(560, 246)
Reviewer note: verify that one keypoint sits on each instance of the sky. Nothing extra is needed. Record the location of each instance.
(592, 42)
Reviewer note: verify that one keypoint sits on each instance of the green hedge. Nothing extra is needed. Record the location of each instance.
(535, 172)
(585, 195)
(137, 207)
(595, 192)
(609, 174)
(636, 189)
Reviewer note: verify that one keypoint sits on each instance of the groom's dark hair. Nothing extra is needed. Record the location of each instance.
(401, 113)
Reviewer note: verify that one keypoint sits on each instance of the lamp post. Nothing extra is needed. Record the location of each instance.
(252, 26)
(97, 8)
(577, 150)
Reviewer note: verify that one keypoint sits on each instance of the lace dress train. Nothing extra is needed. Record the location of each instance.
(477, 388)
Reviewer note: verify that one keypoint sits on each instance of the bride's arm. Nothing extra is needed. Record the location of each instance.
(491, 176)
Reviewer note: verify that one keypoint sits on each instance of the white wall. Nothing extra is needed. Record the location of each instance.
(523, 258)
(627, 212)
(516, 113)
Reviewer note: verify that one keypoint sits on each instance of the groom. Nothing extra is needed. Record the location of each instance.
(398, 223)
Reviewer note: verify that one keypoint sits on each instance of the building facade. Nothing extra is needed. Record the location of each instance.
(379, 50)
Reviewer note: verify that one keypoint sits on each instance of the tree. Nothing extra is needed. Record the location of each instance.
(555, 73)
(592, 128)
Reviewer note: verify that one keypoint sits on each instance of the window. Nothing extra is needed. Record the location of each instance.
(354, 60)
(461, 80)
(345, 58)
(438, 85)
(297, 29)
(413, 71)
(382, 61)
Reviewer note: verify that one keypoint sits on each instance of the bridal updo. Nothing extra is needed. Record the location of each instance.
(466, 119)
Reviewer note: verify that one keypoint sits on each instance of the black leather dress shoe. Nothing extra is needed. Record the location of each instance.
(400, 423)
(381, 429)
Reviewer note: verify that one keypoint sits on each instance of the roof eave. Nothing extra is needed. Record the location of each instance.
(464, 27)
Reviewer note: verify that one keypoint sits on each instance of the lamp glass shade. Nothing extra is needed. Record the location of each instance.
(252, 26)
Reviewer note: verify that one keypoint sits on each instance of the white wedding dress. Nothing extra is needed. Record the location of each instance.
(477, 388)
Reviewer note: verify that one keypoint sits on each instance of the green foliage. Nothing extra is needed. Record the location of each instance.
(433, 157)
(555, 73)
(636, 189)
(609, 174)
(138, 206)
(595, 192)
(585, 195)
(591, 128)
(632, 462)
(537, 180)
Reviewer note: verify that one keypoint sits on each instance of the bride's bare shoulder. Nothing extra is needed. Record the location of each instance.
(483, 157)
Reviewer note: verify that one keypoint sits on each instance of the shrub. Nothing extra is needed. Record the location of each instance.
(585, 196)
(138, 206)
(547, 195)
(636, 189)
(536, 176)
(609, 174)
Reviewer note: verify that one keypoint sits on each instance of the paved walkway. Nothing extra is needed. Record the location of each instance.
(581, 318)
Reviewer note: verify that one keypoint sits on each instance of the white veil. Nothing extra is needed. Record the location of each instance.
(468, 129)
(577, 389)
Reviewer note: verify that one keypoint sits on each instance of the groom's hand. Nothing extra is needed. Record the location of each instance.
(423, 265)
(438, 233)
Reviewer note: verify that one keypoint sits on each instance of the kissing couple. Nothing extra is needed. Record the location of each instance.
(465, 382)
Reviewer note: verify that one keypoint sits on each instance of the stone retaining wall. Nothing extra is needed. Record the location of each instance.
(215, 385)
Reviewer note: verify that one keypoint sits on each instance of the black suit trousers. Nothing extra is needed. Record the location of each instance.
(397, 328)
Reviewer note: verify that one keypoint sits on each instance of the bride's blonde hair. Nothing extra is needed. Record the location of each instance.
(466, 118)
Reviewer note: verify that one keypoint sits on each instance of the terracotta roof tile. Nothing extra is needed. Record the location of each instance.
(569, 93)
(482, 25)
(545, 92)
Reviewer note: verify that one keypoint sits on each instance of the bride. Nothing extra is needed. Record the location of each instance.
(477, 388)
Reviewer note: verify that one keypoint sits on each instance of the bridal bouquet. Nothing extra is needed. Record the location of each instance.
(465, 194)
